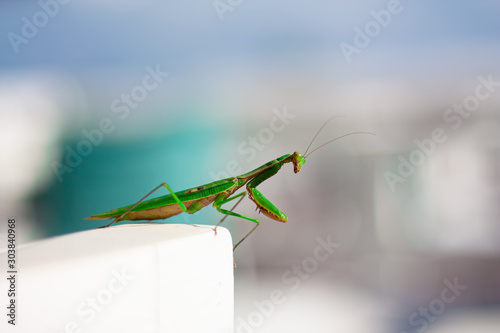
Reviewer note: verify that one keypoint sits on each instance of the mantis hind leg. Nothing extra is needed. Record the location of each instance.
(220, 201)
(176, 198)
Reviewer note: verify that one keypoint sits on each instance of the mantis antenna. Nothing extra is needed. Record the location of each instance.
(324, 144)
(321, 128)
(340, 137)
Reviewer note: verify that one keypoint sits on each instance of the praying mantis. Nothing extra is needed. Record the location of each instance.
(218, 193)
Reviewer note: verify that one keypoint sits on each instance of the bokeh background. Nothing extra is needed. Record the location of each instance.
(239, 83)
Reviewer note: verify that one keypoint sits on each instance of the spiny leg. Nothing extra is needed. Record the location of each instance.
(219, 202)
(263, 204)
(181, 204)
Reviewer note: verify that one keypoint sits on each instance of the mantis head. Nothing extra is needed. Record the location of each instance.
(297, 160)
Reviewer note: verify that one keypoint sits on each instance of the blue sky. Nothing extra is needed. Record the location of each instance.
(83, 35)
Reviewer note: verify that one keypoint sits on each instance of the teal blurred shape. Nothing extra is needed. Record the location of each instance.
(120, 173)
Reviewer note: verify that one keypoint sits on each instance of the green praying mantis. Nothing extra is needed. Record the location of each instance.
(219, 193)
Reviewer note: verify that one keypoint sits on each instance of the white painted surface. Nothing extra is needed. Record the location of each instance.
(128, 278)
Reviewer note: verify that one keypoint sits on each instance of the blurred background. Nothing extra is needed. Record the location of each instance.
(102, 101)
